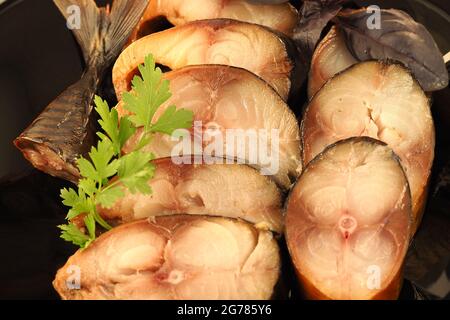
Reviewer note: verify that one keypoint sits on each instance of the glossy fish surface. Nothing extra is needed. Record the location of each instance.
(330, 57)
(281, 17)
(224, 98)
(348, 222)
(227, 190)
(271, 56)
(176, 258)
(383, 101)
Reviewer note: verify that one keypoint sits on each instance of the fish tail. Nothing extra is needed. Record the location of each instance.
(65, 130)
(101, 32)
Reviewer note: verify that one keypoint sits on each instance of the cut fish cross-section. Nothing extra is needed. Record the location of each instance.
(269, 55)
(383, 101)
(348, 222)
(225, 98)
(330, 57)
(281, 17)
(175, 258)
(227, 190)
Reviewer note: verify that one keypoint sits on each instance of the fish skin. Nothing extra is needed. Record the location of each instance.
(177, 257)
(65, 130)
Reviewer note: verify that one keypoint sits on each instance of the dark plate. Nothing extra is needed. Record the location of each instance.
(39, 58)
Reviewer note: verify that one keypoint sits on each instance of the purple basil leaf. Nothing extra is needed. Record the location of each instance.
(314, 15)
(399, 38)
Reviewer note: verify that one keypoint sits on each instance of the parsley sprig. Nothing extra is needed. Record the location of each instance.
(107, 172)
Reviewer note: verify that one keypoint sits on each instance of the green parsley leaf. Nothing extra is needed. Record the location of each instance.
(102, 158)
(71, 233)
(173, 119)
(108, 197)
(88, 186)
(109, 121)
(136, 170)
(69, 196)
(86, 168)
(126, 131)
(89, 222)
(148, 94)
(146, 138)
(79, 203)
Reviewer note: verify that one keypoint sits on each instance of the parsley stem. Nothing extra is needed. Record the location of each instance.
(133, 170)
(100, 220)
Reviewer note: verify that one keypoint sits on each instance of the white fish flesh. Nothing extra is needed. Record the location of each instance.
(382, 101)
(174, 258)
(348, 222)
(269, 55)
(227, 190)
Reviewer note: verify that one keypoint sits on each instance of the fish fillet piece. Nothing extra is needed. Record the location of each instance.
(177, 257)
(330, 57)
(280, 17)
(348, 222)
(382, 101)
(223, 98)
(228, 190)
(271, 56)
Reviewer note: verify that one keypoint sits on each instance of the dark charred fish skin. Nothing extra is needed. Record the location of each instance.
(299, 65)
(62, 132)
(299, 72)
(65, 130)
